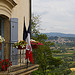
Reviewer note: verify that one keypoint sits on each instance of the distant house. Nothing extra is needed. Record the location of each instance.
(12, 13)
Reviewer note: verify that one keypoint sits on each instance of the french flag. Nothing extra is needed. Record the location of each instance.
(26, 37)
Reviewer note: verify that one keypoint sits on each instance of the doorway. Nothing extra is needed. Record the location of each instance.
(2, 35)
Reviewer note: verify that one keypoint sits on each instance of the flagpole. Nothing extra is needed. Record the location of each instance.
(29, 50)
(30, 17)
(30, 27)
(27, 63)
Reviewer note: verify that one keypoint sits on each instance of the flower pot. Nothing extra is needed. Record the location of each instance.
(20, 47)
(0, 46)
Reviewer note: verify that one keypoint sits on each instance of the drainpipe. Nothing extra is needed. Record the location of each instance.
(30, 19)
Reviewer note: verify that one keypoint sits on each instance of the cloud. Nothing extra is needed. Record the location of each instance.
(56, 15)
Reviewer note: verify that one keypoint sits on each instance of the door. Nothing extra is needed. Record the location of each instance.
(2, 35)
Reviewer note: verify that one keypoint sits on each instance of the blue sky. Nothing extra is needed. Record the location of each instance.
(56, 15)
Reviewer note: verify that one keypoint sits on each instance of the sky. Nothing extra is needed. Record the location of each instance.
(56, 15)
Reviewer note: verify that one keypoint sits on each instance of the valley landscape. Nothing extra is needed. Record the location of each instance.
(64, 48)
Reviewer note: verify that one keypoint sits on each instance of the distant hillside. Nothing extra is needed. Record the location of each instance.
(59, 34)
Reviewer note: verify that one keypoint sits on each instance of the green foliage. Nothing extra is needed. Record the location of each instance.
(35, 20)
(37, 72)
(44, 55)
(48, 65)
(55, 51)
(63, 69)
(45, 59)
(72, 65)
(73, 73)
(40, 37)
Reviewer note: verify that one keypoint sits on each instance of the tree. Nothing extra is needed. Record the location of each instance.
(40, 37)
(35, 22)
(44, 58)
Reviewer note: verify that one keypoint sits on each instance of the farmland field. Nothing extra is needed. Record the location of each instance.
(73, 73)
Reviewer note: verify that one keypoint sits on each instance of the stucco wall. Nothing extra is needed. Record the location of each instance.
(19, 11)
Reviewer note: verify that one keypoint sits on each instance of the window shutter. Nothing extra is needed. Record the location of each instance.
(14, 38)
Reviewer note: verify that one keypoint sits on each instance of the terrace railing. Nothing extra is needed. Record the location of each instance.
(17, 57)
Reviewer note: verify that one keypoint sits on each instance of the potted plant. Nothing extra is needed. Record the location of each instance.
(35, 44)
(20, 45)
(4, 64)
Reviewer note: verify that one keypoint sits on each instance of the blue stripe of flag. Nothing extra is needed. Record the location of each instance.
(25, 34)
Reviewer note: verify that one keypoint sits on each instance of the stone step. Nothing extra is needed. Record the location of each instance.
(25, 70)
(16, 67)
(28, 72)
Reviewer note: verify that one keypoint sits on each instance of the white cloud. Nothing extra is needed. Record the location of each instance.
(56, 15)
